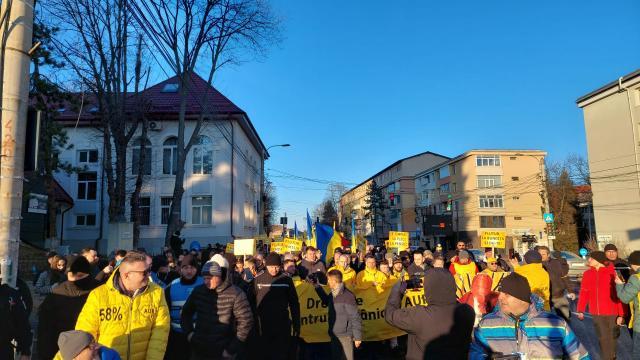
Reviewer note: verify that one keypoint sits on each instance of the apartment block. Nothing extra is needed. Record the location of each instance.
(398, 188)
(483, 190)
(612, 126)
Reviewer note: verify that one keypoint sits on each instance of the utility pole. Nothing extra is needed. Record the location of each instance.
(15, 101)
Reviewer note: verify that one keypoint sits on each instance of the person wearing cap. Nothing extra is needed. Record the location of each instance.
(176, 295)
(463, 270)
(397, 269)
(60, 309)
(277, 310)
(621, 266)
(629, 293)
(519, 325)
(536, 275)
(348, 274)
(559, 281)
(128, 313)
(80, 345)
(160, 272)
(370, 276)
(494, 271)
(439, 330)
(598, 291)
(217, 317)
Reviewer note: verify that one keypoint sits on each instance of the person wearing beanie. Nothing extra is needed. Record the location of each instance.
(439, 330)
(598, 292)
(536, 275)
(519, 308)
(77, 344)
(629, 293)
(621, 266)
(60, 309)
(161, 274)
(560, 290)
(177, 294)
(277, 310)
(463, 270)
(217, 317)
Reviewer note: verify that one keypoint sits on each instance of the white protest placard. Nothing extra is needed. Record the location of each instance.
(244, 247)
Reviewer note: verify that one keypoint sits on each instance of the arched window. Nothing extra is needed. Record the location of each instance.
(203, 155)
(170, 156)
(135, 156)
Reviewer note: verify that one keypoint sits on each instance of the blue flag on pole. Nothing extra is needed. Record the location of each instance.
(309, 226)
(295, 230)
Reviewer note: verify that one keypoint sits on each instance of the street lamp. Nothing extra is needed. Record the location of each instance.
(279, 145)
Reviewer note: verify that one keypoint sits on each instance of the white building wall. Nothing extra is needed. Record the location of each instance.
(157, 185)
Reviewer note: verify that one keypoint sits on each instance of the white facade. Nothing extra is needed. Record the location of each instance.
(210, 201)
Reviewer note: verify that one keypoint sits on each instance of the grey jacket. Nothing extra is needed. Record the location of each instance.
(630, 292)
(344, 318)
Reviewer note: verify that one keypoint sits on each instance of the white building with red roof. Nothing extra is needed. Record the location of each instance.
(223, 179)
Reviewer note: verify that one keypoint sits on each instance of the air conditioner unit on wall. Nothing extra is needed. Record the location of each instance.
(155, 125)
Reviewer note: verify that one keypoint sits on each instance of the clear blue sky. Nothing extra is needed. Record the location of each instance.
(356, 85)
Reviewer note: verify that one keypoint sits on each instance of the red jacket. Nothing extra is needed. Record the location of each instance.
(598, 290)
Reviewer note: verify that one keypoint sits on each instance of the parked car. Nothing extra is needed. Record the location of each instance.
(577, 265)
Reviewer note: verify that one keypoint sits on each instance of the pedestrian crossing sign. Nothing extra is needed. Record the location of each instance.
(548, 218)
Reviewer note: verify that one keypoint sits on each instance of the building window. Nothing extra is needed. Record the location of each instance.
(88, 156)
(515, 178)
(454, 187)
(517, 218)
(86, 220)
(453, 169)
(87, 185)
(203, 155)
(170, 156)
(201, 210)
(488, 160)
(165, 209)
(492, 222)
(444, 188)
(489, 181)
(490, 201)
(425, 195)
(144, 211)
(135, 157)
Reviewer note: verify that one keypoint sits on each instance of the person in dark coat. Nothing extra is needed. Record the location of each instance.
(345, 324)
(60, 309)
(176, 243)
(274, 297)
(15, 324)
(559, 281)
(621, 266)
(310, 265)
(418, 266)
(440, 330)
(223, 317)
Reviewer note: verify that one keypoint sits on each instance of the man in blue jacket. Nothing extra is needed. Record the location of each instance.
(345, 324)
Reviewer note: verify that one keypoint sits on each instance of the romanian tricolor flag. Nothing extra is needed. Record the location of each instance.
(327, 240)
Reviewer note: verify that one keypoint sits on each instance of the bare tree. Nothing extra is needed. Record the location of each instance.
(95, 43)
(204, 35)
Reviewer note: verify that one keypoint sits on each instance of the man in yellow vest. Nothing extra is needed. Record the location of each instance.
(463, 270)
(630, 294)
(370, 276)
(348, 274)
(537, 276)
(495, 272)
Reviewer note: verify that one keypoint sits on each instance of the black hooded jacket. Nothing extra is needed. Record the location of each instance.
(440, 330)
(223, 319)
(59, 312)
(273, 299)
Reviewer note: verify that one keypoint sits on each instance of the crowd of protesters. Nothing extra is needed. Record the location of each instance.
(203, 303)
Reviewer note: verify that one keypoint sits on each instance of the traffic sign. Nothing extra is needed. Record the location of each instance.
(583, 252)
(548, 218)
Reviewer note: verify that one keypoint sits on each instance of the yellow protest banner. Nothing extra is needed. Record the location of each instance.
(398, 240)
(314, 317)
(278, 247)
(413, 297)
(371, 305)
(493, 239)
(229, 248)
(292, 245)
